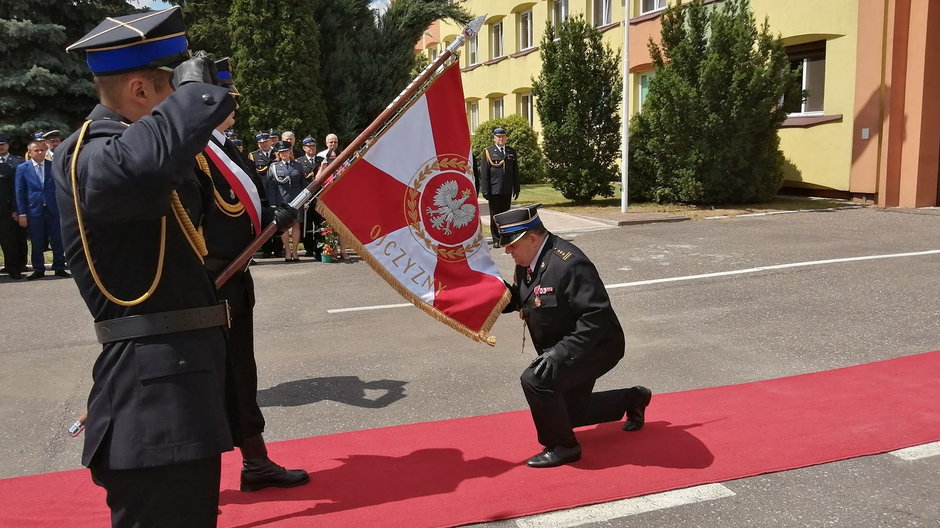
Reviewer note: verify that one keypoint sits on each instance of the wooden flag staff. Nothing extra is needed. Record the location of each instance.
(311, 191)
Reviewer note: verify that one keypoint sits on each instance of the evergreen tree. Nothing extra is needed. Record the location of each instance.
(578, 98)
(276, 61)
(708, 130)
(41, 86)
(369, 57)
(207, 26)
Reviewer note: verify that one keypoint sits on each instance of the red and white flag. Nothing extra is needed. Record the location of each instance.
(409, 207)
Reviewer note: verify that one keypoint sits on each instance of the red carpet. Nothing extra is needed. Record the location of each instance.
(468, 470)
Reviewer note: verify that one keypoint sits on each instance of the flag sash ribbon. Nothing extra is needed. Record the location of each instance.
(241, 184)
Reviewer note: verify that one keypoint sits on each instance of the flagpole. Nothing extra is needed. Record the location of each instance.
(310, 192)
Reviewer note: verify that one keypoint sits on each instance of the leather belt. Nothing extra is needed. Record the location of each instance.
(143, 325)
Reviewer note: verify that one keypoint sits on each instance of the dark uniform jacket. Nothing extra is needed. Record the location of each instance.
(499, 174)
(566, 306)
(262, 161)
(7, 194)
(310, 166)
(155, 400)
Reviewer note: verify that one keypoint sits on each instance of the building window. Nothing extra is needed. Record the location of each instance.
(472, 46)
(473, 115)
(652, 5)
(602, 15)
(559, 12)
(810, 58)
(496, 108)
(526, 107)
(526, 34)
(496, 40)
(645, 79)
(433, 52)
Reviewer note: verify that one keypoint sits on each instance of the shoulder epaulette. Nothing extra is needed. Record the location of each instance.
(564, 255)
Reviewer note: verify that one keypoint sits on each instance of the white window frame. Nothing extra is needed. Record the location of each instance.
(473, 115)
(526, 30)
(473, 51)
(602, 12)
(643, 81)
(496, 40)
(649, 6)
(497, 108)
(527, 107)
(813, 79)
(559, 12)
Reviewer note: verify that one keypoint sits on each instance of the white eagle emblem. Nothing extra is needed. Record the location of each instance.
(449, 210)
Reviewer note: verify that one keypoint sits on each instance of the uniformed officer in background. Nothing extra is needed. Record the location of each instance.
(499, 178)
(158, 416)
(576, 333)
(310, 162)
(233, 220)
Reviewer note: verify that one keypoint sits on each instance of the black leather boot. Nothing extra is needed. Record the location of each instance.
(636, 408)
(258, 471)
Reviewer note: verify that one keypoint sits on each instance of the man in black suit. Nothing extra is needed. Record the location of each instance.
(310, 162)
(232, 222)
(576, 333)
(499, 178)
(12, 235)
(158, 413)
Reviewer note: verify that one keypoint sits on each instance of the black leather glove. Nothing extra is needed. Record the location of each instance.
(284, 217)
(200, 68)
(547, 364)
(515, 195)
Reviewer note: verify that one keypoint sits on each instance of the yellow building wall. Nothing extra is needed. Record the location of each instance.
(819, 156)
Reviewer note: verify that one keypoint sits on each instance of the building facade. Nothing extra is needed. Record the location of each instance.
(869, 127)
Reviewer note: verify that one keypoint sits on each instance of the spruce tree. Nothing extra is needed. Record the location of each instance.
(276, 61)
(41, 86)
(207, 26)
(369, 57)
(578, 98)
(708, 130)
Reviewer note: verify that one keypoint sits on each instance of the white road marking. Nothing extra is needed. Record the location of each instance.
(695, 277)
(770, 268)
(622, 508)
(363, 308)
(918, 452)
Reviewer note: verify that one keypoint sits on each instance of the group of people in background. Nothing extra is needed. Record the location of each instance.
(285, 171)
(28, 208)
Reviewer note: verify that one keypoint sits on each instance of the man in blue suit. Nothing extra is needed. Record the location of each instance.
(38, 211)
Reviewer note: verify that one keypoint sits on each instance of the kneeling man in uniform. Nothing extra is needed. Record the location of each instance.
(559, 293)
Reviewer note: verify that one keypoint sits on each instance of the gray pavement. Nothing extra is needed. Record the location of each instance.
(323, 372)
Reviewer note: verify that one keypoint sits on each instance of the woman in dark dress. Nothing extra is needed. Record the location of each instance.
(287, 175)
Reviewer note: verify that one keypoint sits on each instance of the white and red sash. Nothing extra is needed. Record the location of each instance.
(241, 184)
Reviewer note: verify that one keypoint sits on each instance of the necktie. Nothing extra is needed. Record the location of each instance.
(42, 180)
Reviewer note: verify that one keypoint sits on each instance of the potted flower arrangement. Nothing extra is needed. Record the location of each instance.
(328, 243)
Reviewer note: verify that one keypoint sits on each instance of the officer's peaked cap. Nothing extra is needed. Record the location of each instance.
(281, 146)
(154, 39)
(225, 75)
(53, 134)
(263, 136)
(500, 131)
(308, 141)
(515, 223)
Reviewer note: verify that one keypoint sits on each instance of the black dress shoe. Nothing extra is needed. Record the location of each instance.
(636, 409)
(16, 276)
(36, 275)
(258, 473)
(555, 456)
(63, 273)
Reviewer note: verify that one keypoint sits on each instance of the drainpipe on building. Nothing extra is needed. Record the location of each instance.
(625, 133)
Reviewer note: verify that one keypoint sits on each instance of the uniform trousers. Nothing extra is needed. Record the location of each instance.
(13, 245)
(243, 370)
(561, 404)
(498, 203)
(184, 494)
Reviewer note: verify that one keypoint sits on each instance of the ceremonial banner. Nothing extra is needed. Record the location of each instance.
(409, 207)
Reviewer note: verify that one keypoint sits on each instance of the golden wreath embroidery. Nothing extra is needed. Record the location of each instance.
(452, 253)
